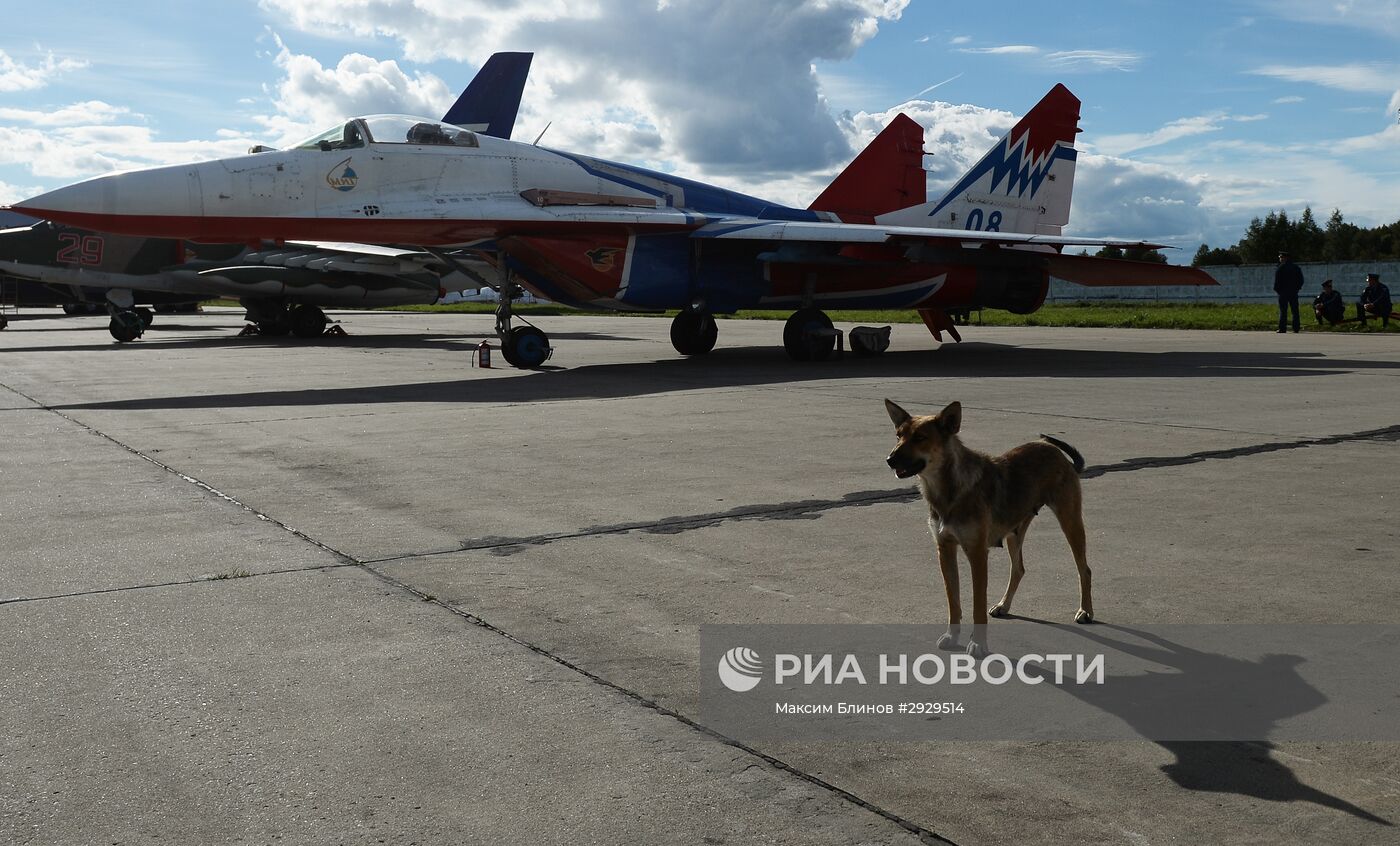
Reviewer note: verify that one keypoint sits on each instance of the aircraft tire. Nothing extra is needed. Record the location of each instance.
(799, 344)
(526, 347)
(147, 317)
(508, 353)
(126, 326)
(274, 328)
(308, 321)
(4, 321)
(74, 308)
(694, 333)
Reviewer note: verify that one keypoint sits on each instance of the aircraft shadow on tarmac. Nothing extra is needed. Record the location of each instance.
(1275, 689)
(740, 367)
(450, 342)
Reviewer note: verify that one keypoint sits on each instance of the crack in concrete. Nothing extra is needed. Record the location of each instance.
(924, 835)
(1389, 434)
(204, 486)
(802, 510)
(812, 509)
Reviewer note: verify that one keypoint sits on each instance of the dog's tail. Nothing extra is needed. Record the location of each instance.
(1074, 456)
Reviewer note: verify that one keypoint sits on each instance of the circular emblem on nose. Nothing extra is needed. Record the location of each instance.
(342, 177)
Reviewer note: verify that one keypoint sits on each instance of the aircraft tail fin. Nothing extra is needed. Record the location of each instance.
(492, 100)
(886, 176)
(1023, 184)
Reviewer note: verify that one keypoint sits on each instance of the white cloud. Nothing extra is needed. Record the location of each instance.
(1386, 140)
(1120, 144)
(1370, 15)
(1367, 78)
(606, 74)
(78, 114)
(17, 76)
(1116, 197)
(702, 100)
(14, 193)
(1003, 50)
(961, 39)
(1065, 60)
(74, 152)
(1285, 100)
(956, 136)
(1094, 60)
(310, 97)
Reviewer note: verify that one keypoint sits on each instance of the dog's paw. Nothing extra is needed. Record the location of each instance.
(1082, 616)
(948, 641)
(976, 650)
(1001, 609)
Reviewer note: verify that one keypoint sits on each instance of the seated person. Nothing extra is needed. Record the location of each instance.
(1328, 305)
(427, 133)
(351, 138)
(1375, 300)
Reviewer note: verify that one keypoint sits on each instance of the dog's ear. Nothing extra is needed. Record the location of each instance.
(950, 418)
(898, 416)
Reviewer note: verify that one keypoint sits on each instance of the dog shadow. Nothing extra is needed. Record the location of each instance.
(1251, 697)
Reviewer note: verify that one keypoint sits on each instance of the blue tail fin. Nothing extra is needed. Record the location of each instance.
(491, 101)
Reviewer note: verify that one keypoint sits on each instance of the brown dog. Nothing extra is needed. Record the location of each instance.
(976, 501)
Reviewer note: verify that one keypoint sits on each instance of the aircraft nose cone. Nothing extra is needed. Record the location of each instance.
(134, 203)
(74, 198)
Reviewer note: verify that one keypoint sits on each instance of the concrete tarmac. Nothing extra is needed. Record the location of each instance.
(358, 591)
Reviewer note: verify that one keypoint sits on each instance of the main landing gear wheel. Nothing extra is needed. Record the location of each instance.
(808, 335)
(308, 321)
(694, 333)
(126, 326)
(526, 347)
(147, 317)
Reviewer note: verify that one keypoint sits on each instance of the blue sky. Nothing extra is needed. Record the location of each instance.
(1197, 116)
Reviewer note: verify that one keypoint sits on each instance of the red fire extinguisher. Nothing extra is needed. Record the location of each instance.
(483, 354)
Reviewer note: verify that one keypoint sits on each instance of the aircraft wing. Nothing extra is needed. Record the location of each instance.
(348, 258)
(1096, 272)
(1082, 270)
(867, 233)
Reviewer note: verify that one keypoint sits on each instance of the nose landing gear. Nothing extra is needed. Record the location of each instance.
(526, 347)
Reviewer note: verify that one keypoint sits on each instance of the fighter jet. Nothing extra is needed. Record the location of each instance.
(587, 232)
(282, 284)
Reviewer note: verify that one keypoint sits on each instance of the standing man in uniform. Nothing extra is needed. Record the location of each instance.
(1288, 281)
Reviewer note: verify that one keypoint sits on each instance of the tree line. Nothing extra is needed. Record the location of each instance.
(1304, 240)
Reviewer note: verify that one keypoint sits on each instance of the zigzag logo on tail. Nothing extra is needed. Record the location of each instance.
(1014, 163)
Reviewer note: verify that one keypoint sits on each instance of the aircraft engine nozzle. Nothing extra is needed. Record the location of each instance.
(1017, 289)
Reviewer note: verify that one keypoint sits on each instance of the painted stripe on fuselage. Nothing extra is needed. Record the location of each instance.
(692, 195)
(431, 232)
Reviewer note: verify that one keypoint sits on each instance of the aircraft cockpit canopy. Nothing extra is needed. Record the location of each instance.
(390, 129)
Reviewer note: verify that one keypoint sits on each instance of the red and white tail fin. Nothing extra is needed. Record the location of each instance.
(886, 176)
(1022, 185)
